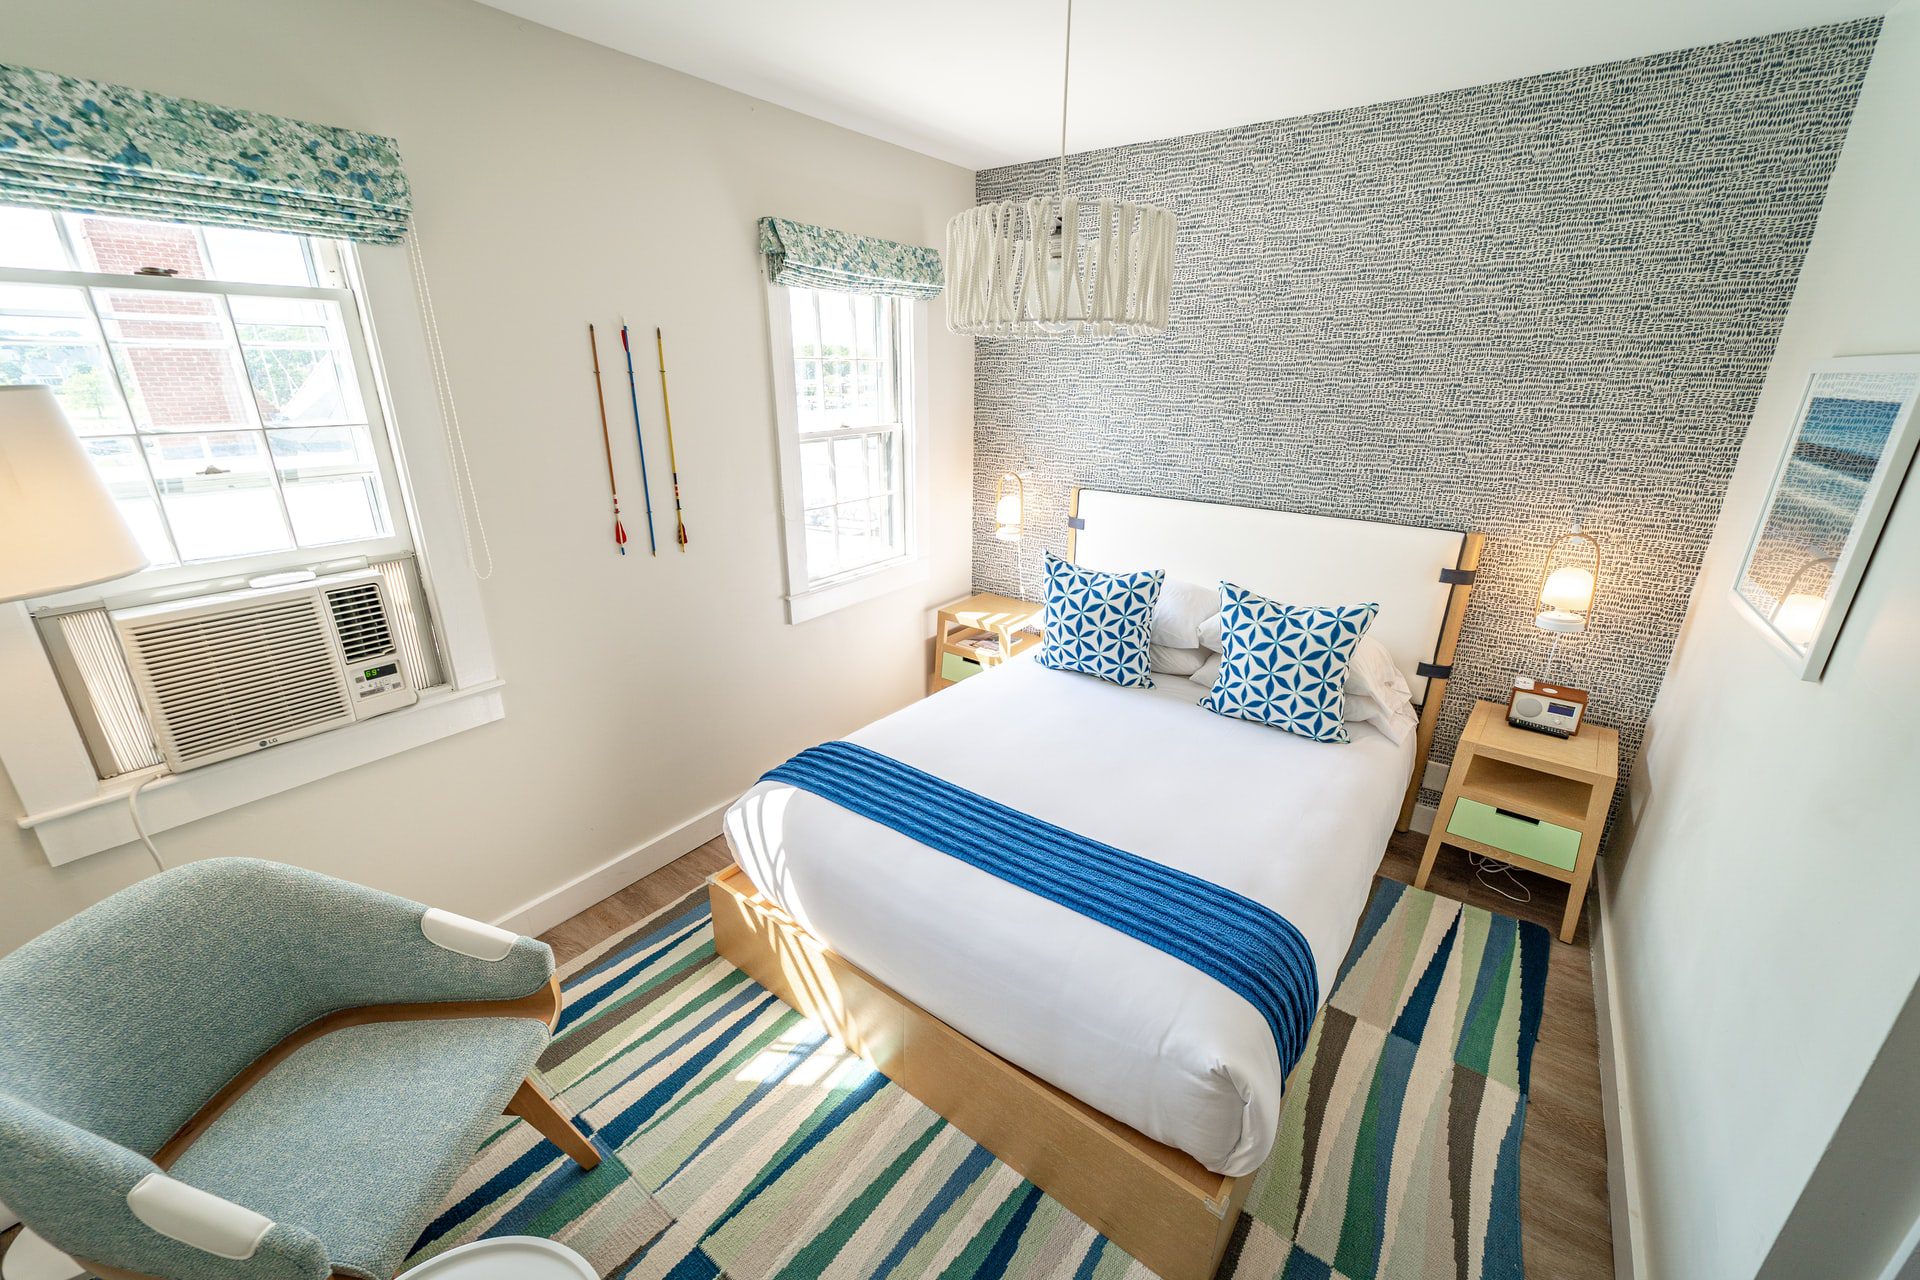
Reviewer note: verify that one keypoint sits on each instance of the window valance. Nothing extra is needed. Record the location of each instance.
(101, 148)
(821, 258)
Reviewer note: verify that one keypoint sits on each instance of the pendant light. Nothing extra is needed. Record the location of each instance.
(1058, 266)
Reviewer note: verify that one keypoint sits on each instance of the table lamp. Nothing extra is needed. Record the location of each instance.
(59, 527)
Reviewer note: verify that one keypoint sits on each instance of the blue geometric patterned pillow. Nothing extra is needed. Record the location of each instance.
(1286, 665)
(1098, 623)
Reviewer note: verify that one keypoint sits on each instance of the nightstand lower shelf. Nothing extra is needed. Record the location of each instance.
(1536, 803)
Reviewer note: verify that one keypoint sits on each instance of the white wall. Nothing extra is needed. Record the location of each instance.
(1763, 898)
(557, 183)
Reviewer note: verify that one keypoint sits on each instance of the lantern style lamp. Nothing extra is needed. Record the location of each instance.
(1567, 589)
(1009, 506)
(59, 527)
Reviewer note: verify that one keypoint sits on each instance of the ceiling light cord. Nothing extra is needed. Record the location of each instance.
(1066, 71)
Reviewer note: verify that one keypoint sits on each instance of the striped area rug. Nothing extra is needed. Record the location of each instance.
(771, 1151)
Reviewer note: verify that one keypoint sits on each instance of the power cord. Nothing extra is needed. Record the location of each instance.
(133, 808)
(1483, 866)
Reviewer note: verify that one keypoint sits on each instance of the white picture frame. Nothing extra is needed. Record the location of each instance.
(1852, 441)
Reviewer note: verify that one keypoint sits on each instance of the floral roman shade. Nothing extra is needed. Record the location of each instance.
(811, 257)
(102, 148)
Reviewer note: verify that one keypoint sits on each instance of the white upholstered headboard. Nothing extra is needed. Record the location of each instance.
(1285, 556)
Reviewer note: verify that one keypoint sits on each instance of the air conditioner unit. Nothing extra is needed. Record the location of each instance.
(225, 675)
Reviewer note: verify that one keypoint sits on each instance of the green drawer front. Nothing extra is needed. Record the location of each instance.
(1541, 841)
(954, 667)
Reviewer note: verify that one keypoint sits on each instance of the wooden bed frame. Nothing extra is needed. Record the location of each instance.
(1157, 1203)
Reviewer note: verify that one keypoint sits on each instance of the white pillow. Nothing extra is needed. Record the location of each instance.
(1397, 725)
(1174, 661)
(1178, 613)
(1371, 673)
(1209, 671)
(1211, 632)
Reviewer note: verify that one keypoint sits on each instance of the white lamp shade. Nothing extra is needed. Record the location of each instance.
(1569, 589)
(59, 527)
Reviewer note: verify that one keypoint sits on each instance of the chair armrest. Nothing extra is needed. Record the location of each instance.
(361, 946)
(98, 1202)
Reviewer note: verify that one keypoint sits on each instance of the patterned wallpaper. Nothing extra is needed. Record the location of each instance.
(1497, 309)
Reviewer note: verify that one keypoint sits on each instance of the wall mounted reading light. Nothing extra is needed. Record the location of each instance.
(1567, 589)
(1010, 506)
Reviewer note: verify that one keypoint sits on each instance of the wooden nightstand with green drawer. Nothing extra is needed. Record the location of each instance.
(979, 632)
(1529, 799)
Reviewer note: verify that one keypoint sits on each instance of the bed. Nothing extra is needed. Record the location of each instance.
(1173, 1071)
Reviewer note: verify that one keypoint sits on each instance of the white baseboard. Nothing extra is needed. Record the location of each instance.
(1616, 1097)
(576, 895)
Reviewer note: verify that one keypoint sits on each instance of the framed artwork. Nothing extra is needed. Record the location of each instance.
(1845, 458)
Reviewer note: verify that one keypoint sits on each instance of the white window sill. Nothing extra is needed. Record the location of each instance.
(881, 580)
(103, 821)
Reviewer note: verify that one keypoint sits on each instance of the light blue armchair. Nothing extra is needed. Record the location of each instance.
(238, 1070)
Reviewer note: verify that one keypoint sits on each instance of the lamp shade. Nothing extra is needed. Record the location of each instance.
(1570, 588)
(59, 527)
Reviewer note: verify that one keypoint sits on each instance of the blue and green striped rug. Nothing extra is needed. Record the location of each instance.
(752, 1145)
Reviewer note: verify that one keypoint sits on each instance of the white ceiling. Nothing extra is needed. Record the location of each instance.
(977, 82)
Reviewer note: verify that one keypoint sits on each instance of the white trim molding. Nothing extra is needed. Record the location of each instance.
(576, 895)
(1616, 1095)
(102, 819)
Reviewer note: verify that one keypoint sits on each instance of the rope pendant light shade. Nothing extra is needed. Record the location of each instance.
(1044, 268)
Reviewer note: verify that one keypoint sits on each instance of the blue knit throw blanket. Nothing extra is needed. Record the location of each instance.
(1251, 949)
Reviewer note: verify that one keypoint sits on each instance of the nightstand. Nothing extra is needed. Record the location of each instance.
(1529, 799)
(979, 632)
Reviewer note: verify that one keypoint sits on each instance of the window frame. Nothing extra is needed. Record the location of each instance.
(74, 813)
(806, 598)
(328, 260)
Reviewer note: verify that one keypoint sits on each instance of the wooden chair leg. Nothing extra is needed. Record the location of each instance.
(532, 1104)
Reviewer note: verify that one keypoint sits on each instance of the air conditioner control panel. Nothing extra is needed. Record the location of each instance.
(380, 685)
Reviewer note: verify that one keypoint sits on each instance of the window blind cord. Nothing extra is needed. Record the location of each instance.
(463, 486)
(133, 807)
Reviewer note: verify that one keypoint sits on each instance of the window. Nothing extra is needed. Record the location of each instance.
(847, 435)
(220, 381)
(226, 383)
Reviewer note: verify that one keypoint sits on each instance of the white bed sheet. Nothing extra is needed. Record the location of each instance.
(1293, 824)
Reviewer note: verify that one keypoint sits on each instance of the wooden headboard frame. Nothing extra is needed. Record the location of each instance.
(1421, 577)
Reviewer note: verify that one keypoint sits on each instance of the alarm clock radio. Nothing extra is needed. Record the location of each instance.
(1546, 708)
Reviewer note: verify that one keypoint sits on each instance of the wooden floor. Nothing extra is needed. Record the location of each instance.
(1563, 1155)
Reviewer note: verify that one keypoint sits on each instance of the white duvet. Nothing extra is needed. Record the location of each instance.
(1293, 824)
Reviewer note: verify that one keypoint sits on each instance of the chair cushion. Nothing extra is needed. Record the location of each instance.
(359, 1136)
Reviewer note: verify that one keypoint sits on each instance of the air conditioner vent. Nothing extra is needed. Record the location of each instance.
(223, 675)
(360, 620)
(227, 682)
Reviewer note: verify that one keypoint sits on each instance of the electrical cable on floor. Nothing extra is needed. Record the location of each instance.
(1483, 865)
(133, 807)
